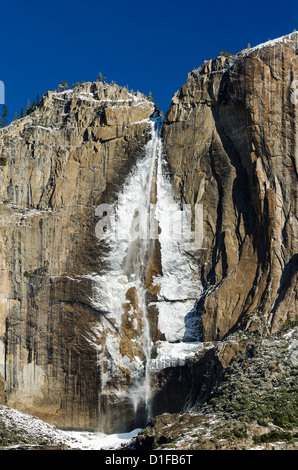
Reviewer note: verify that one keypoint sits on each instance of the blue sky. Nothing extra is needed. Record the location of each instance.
(149, 46)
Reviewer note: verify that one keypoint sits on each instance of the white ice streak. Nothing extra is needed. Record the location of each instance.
(179, 285)
(174, 354)
(111, 287)
(130, 237)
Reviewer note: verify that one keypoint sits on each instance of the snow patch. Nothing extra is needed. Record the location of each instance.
(174, 354)
(99, 441)
(80, 440)
(271, 43)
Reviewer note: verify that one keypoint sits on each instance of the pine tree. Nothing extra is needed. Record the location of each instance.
(37, 98)
(22, 112)
(150, 97)
(4, 116)
(28, 109)
(16, 116)
(99, 77)
(63, 86)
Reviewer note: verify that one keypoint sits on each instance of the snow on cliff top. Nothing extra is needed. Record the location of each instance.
(270, 43)
(233, 58)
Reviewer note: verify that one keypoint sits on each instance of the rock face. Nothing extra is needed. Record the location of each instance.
(230, 137)
(57, 165)
(252, 405)
(230, 141)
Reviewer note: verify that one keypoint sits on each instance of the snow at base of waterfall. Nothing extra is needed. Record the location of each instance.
(79, 440)
(98, 441)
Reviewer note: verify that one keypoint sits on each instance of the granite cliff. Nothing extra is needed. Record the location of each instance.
(57, 165)
(230, 136)
(230, 145)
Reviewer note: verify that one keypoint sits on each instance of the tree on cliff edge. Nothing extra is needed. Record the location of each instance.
(3, 117)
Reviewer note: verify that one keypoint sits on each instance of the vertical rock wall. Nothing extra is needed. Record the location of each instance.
(58, 164)
(230, 137)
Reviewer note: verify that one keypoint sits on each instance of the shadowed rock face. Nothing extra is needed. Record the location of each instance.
(72, 153)
(230, 137)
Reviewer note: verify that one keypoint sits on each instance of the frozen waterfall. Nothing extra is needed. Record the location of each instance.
(147, 269)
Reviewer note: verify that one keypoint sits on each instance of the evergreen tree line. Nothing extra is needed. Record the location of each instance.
(3, 116)
(63, 85)
(29, 108)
